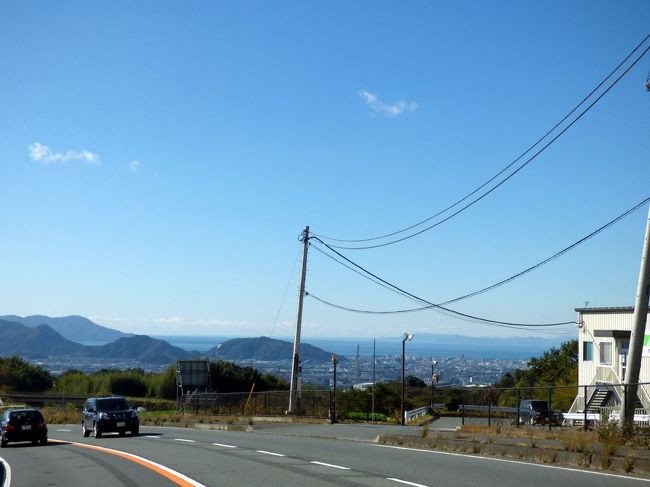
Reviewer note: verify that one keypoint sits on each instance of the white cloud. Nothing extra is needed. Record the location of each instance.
(181, 325)
(42, 153)
(387, 109)
(134, 166)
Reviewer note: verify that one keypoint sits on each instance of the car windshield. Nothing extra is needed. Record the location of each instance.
(539, 405)
(112, 404)
(26, 417)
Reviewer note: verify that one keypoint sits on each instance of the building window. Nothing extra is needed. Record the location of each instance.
(606, 353)
(587, 351)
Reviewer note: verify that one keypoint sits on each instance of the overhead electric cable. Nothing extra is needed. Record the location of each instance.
(284, 295)
(434, 306)
(519, 168)
(315, 247)
(552, 257)
(492, 286)
(469, 318)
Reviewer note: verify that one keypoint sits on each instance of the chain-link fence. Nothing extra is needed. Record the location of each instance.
(550, 406)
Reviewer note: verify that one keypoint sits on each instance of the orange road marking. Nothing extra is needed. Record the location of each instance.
(172, 475)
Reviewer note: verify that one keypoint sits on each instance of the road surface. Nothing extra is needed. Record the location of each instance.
(271, 456)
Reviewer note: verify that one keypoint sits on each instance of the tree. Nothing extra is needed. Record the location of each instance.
(18, 375)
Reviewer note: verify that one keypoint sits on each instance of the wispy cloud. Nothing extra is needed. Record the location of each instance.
(387, 109)
(42, 153)
(134, 166)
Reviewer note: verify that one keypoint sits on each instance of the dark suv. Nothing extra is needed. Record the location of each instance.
(534, 411)
(23, 425)
(109, 414)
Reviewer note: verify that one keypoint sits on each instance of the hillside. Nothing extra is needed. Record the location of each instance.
(264, 348)
(75, 328)
(142, 348)
(34, 343)
(42, 342)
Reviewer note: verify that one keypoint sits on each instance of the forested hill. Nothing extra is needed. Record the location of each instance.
(265, 348)
(42, 341)
(75, 328)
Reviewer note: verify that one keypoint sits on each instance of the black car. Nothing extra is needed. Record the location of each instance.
(23, 425)
(109, 414)
(533, 411)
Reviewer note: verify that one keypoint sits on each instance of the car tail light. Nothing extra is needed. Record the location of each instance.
(8, 428)
(41, 426)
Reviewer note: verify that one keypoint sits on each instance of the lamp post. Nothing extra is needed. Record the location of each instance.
(433, 381)
(409, 337)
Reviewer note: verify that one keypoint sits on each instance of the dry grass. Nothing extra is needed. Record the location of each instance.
(576, 441)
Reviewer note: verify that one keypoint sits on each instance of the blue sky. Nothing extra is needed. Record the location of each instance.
(158, 161)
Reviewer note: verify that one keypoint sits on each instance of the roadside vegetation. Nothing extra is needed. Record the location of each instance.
(18, 375)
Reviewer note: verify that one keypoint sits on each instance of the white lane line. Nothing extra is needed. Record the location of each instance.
(271, 453)
(7, 475)
(152, 436)
(183, 439)
(224, 446)
(406, 482)
(64, 430)
(330, 465)
(476, 457)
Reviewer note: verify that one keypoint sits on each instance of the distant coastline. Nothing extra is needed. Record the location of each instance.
(453, 347)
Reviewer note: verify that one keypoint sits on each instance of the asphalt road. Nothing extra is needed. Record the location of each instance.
(271, 456)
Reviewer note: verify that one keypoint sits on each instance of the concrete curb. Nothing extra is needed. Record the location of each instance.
(627, 462)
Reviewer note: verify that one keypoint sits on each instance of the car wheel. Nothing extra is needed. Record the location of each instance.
(135, 432)
(43, 441)
(84, 430)
(3, 443)
(531, 421)
(98, 432)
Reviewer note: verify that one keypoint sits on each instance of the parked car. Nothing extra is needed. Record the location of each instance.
(534, 411)
(109, 414)
(23, 425)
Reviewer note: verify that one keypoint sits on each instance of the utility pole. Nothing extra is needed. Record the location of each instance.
(294, 394)
(374, 364)
(333, 409)
(639, 319)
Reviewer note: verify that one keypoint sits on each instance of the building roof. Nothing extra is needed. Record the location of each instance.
(608, 309)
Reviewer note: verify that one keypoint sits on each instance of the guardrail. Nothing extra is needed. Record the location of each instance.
(415, 413)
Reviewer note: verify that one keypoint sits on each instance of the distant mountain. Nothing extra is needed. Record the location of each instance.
(42, 342)
(75, 328)
(39, 341)
(142, 348)
(264, 348)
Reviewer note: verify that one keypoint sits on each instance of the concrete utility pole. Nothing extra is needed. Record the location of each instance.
(636, 338)
(294, 394)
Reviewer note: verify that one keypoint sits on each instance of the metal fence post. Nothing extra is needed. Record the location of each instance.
(585, 410)
(550, 407)
(462, 403)
(518, 402)
(489, 398)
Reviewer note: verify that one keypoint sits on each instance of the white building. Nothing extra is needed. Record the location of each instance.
(603, 345)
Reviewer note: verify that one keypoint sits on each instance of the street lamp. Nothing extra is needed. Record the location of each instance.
(409, 337)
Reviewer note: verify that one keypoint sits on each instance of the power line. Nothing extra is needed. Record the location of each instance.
(284, 295)
(487, 288)
(552, 257)
(435, 306)
(519, 168)
(455, 314)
